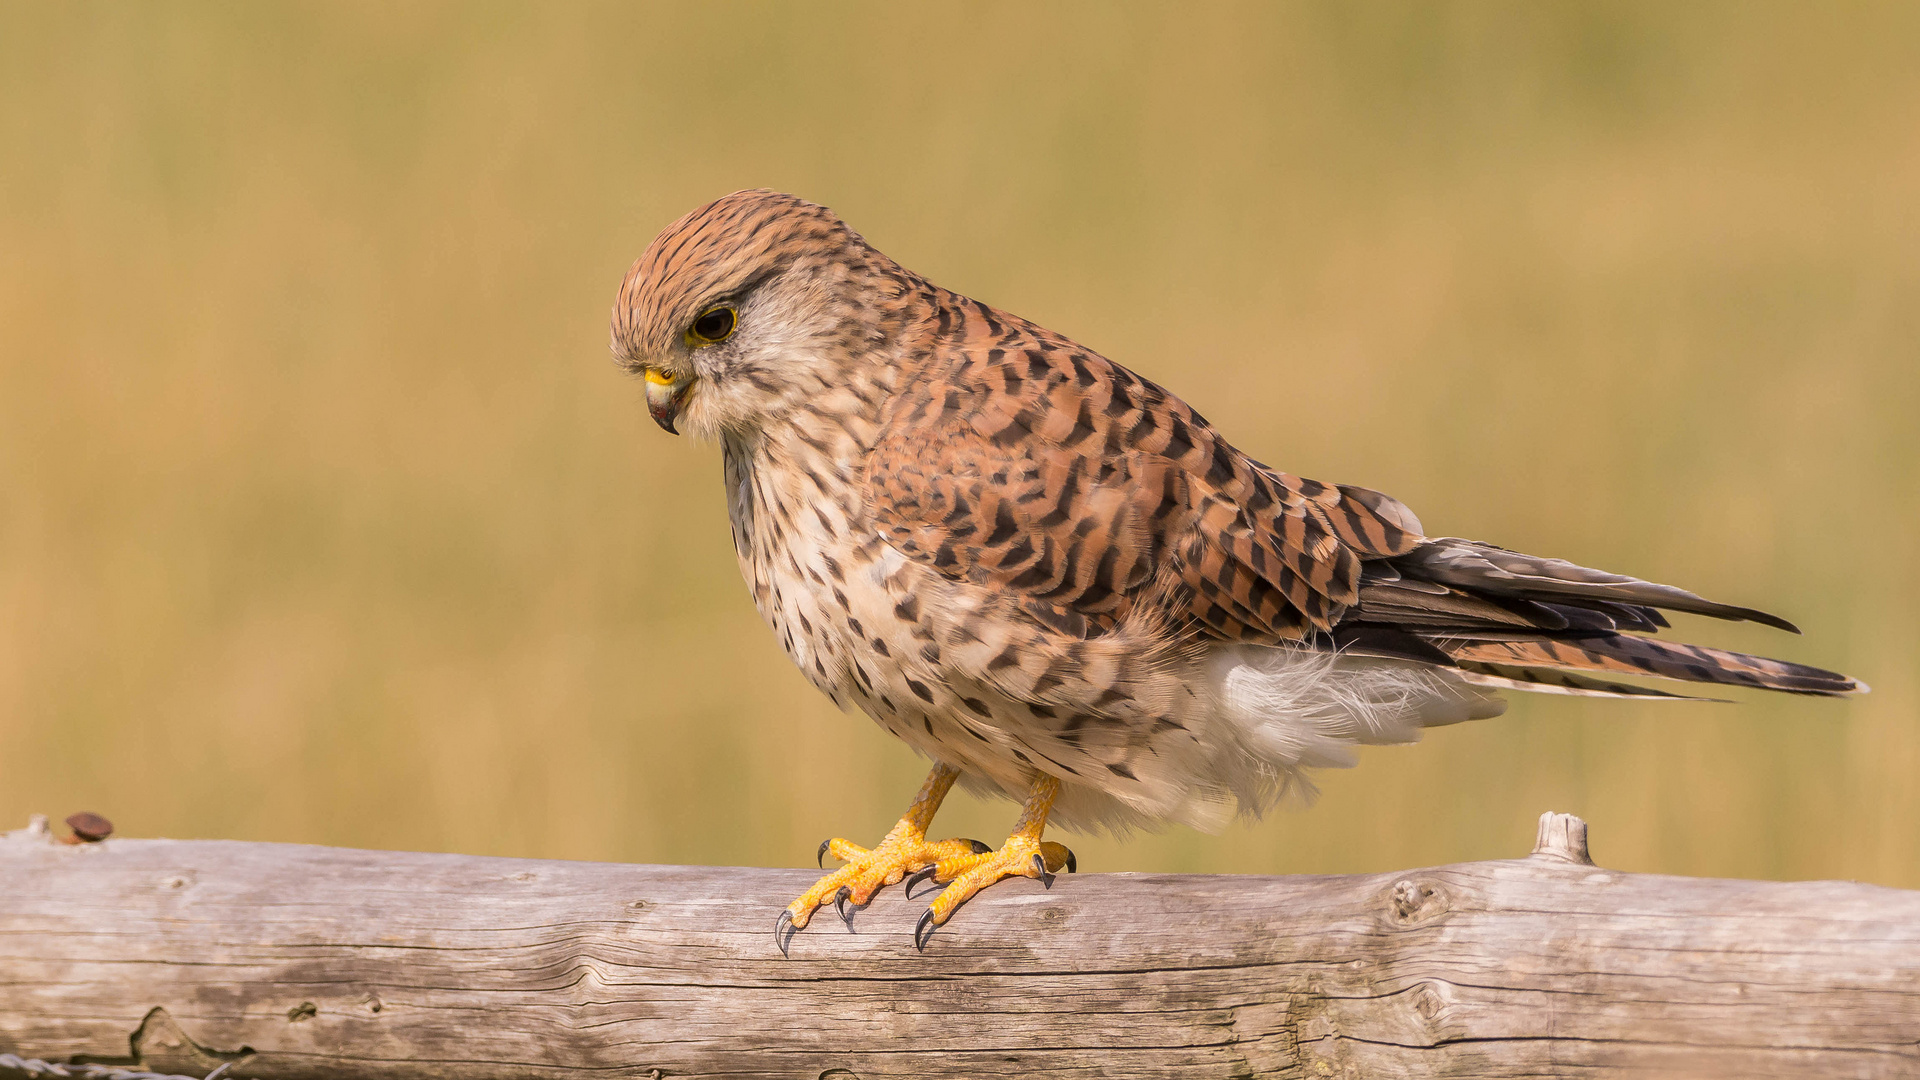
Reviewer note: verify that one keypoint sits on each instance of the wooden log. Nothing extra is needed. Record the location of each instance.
(293, 961)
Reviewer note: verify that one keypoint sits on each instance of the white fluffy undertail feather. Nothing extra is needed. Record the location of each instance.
(1278, 712)
(1260, 717)
(1306, 708)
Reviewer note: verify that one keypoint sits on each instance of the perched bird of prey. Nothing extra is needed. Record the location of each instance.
(1057, 581)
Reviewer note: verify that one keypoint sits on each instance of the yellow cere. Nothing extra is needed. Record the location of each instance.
(658, 377)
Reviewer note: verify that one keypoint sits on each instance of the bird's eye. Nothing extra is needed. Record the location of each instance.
(712, 326)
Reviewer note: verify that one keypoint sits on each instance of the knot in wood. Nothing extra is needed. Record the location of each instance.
(1417, 902)
(1428, 1000)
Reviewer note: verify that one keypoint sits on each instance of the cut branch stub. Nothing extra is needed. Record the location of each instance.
(1562, 838)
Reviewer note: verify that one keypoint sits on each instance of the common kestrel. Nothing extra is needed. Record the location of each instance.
(1057, 581)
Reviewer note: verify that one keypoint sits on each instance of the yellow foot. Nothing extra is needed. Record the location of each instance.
(865, 872)
(964, 875)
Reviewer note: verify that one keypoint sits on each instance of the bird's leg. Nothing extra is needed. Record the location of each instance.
(1023, 855)
(905, 849)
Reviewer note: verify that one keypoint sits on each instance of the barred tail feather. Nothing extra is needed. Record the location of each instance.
(1547, 681)
(1627, 654)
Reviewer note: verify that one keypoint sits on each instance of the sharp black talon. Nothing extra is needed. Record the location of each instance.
(923, 931)
(915, 878)
(1040, 870)
(840, 905)
(979, 848)
(784, 922)
(820, 860)
(1073, 865)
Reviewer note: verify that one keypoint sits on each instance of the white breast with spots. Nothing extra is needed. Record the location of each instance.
(830, 589)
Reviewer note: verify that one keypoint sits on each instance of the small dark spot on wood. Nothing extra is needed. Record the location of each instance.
(89, 828)
(306, 1010)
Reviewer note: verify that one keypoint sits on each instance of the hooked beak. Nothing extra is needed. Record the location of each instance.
(665, 395)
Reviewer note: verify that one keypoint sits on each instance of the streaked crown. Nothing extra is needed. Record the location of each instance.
(722, 250)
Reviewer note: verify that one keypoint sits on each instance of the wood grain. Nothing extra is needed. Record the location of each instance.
(295, 962)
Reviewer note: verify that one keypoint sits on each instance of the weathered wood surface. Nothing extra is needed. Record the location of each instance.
(293, 961)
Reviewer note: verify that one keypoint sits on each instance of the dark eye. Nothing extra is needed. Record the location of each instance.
(713, 325)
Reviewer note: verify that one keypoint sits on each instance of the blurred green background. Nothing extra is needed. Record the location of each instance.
(324, 515)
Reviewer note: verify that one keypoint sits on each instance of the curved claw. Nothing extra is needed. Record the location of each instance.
(978, 847)
(923, 930)
(784, 922)
(1073, 864)
(918, 876)
(840, 905)
(1040, 870)
(820, 860)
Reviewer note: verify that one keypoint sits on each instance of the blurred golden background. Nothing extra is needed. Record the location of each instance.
(325, 516)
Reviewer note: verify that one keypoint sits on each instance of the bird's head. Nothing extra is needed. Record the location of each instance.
(748, 306)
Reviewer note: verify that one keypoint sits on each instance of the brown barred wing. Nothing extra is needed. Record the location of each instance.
(1276, 557)
(1495, 571)
(1026, 462)
(1079, 534)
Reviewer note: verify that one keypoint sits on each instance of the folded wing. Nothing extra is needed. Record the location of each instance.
(1087, 493)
